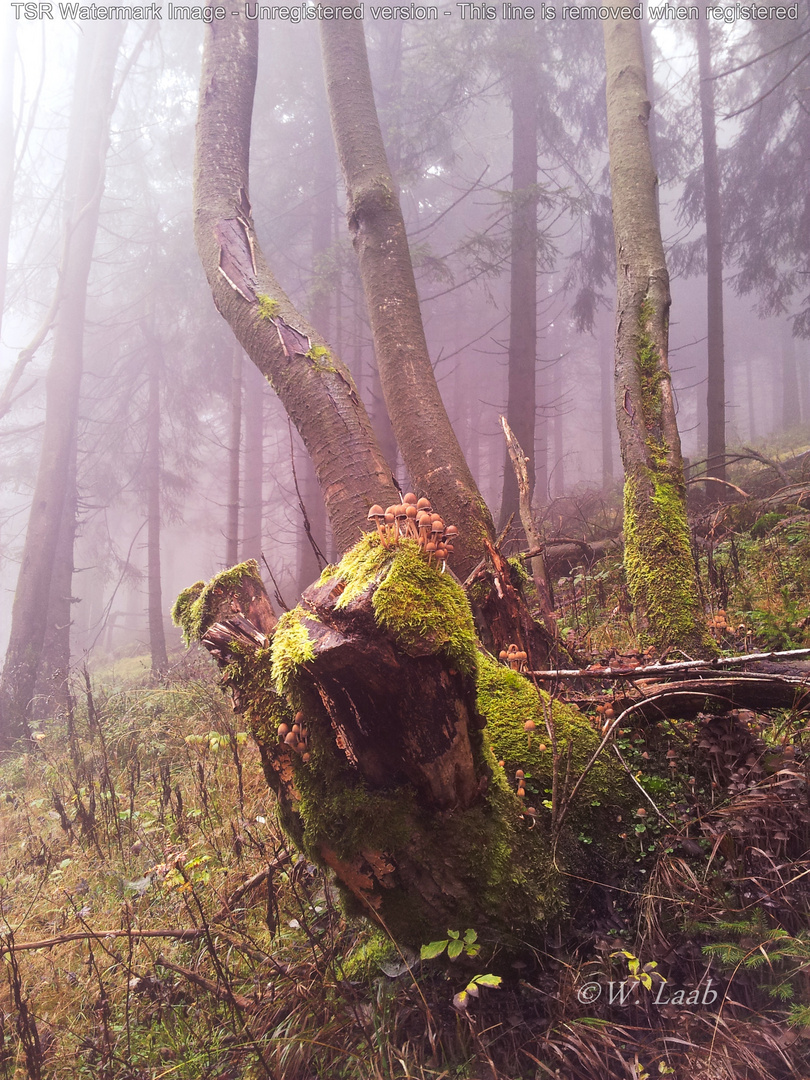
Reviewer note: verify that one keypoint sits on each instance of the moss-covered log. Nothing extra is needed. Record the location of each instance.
(405, 757)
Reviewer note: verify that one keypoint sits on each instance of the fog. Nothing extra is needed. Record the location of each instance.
(445, 95)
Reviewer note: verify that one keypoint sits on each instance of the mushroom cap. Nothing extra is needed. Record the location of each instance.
(529, 725)
(411, 511)
(423, 504)
(451, 530)
(409, 499)
(375, 512)
(389, 517)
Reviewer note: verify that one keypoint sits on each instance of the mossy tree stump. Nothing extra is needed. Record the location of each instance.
(400, 742)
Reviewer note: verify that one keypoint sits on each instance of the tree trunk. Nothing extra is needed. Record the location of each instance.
(313, 385)
(521, 392)
(253, 499)
(84, 183)
(791, 400)
(658, 560)
(234, 454)
(157, 636)
(429, 447)
(7, 148)
(396, 763)
(716, 378)
(606, 411)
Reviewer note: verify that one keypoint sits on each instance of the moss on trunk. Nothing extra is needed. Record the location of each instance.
(404, 779)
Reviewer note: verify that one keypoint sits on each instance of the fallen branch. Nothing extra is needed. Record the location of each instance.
(717, 480)
(219, 991)
(96, 935)
(608, 673)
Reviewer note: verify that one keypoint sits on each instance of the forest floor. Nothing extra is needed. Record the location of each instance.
(153, 922)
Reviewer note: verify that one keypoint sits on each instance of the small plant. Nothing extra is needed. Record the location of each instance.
(455, 945)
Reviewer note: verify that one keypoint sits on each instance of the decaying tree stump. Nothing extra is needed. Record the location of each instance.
(402, 756)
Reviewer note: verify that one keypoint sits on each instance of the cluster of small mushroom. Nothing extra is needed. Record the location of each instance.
(520, 777)
(296, 737)
(415, 518)
(512, 656)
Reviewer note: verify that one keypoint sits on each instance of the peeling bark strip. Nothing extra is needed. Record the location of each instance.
(658, 560)
(236, 262)
(319, 398)
(425, 436)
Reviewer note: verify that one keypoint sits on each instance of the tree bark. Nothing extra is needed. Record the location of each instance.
(84, 184)
(157, 635)
(7, 148)
(429, 447)
(658, 560)
(253, 501)
(234, 455)
(716, 378)
(521, 390)
(392, 743)
(315, 388)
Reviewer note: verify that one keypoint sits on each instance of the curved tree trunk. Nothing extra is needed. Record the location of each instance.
(658, 560)
(429, 447)
(315, 388)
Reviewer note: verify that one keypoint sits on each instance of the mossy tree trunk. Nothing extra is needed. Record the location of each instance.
(314, 386)
(393, 744)
(429, 447)
(658, 560)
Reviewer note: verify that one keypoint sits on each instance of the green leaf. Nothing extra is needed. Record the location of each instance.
(470, 936)
(454, 949)
(434, 949)
(488, 980)
(453, 934)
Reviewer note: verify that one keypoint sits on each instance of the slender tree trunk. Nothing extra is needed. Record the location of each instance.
(425, 436)
(606, 410)
(791, 401)
(234, 454)
(315, 388)
(253, 498)
(6, 147)
(157, 636)
(716, 379)
(521, 393)
(558, 471)
(84, 183)
(658, 560)
(52, 683)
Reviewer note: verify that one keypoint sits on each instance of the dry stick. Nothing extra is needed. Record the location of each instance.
(97, 935)
(320, 558)
(665, 669)
(520, 464)
(276, 589)
(246, 886)
(218, 990)
(717, 480)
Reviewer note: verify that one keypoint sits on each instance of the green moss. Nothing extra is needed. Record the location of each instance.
(184, 611)
(359, 567)
(367, 960)
(195, 607)
(659, 566)
(507, 700)
(321, 358)
(422, 608)
(418, 604)
(291, 647)
(268, 307)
